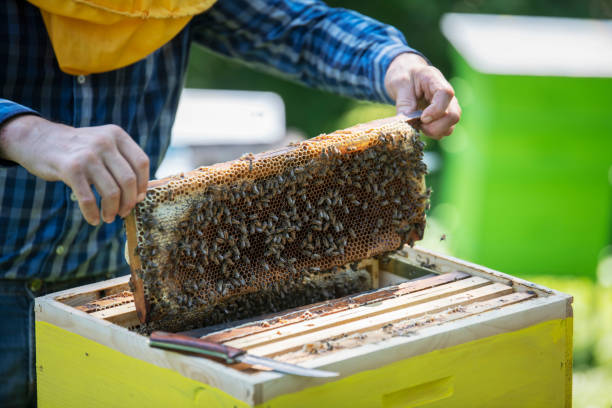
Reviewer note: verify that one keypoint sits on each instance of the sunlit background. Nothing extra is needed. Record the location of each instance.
(524, 185)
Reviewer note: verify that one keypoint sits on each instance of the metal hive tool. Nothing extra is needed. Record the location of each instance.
(275, 229)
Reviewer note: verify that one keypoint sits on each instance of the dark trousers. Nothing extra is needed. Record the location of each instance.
(17, 344)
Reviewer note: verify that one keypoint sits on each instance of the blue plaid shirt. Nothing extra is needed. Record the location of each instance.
(42, 232)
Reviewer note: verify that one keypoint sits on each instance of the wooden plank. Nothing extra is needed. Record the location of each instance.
(81, 295)
(407, 270)
(443, 264)
(409, 327)
(107, 302)
(362, 312)
(461, 312)
(371, 265)
(390, 279)
(299, 314)
(123, 315)
(484, 306)
(375, 322)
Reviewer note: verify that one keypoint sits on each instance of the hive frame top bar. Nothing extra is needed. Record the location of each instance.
(258, 388)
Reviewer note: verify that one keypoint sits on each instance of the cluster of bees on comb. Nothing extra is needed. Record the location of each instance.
(276, 230)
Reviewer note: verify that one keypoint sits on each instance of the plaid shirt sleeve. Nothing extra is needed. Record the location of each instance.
(307, 41)
(9, 109)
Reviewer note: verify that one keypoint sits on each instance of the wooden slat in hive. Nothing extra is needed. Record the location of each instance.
(408, 327)
(375, 322)
(384, 306)
(334, 306)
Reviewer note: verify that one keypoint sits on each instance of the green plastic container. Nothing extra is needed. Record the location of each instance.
(526, 177)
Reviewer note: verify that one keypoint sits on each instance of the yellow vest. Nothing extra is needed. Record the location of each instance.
(92, 36)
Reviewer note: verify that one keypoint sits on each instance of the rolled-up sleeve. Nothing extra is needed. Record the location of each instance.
(307, 41)
(8, 109)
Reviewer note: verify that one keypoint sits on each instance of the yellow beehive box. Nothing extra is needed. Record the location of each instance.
(439, 332)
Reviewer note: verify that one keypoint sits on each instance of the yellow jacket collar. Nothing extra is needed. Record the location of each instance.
(93, 36)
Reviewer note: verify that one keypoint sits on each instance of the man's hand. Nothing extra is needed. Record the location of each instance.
(414, 84)
(103, 156)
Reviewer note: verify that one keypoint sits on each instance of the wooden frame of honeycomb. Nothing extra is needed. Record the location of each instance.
(269, 230)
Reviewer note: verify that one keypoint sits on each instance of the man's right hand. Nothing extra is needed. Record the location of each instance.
(103, 156)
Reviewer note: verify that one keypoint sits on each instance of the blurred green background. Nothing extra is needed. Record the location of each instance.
(314, 112)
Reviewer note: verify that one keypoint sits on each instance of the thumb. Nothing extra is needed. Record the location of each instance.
(406, 100)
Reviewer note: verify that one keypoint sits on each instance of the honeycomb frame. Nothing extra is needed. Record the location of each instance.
(265, 222)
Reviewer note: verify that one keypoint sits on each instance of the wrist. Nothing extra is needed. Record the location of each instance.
(16, 132)
(411, 59)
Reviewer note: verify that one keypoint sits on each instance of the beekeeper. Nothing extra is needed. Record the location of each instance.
(89, 91)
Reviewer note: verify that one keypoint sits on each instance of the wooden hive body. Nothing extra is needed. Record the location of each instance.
(438, 332)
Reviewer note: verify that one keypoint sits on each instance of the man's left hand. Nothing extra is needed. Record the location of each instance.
(414, 84)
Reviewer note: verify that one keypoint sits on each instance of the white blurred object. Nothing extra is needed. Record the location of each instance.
(522, 45)
(213, 126)
(432, 160)
(214, 117)
(604, 271)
